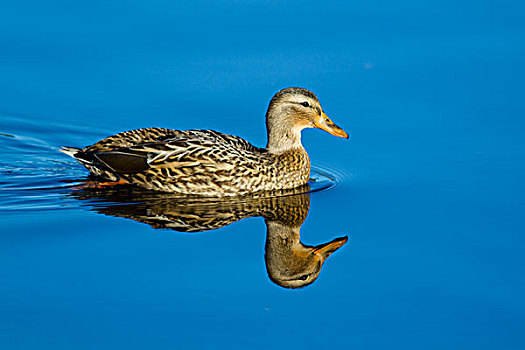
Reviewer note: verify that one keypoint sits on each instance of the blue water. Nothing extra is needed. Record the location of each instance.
(429, 189)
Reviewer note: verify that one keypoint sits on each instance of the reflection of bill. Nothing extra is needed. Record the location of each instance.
(289, 263)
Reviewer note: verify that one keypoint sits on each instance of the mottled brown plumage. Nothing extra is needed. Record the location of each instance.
(206, 162)
(289, 262)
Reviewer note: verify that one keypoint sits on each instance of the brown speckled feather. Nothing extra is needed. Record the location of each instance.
(196, 214)
(203, 162)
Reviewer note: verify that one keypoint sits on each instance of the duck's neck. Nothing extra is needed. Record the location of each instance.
(282, 243)
(284, 140)
(282, 136)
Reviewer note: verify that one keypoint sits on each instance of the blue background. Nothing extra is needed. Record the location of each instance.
(430, 187)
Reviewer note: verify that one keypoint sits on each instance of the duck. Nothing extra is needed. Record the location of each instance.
(208, 162)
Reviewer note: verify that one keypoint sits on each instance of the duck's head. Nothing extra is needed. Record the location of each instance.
(290, 111)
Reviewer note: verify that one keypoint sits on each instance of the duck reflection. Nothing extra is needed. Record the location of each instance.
(289, 262)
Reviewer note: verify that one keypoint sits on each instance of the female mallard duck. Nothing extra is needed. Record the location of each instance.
(206, 162)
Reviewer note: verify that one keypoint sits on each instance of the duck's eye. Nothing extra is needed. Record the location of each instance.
(303, 277)
(305, 104)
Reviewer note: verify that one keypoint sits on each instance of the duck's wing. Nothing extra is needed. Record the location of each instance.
(206, 150)
(183, 157)
(214, 137)
(133, 138)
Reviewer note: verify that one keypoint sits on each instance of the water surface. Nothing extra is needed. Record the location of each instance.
(429, 190)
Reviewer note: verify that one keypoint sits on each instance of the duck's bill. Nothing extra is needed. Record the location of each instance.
(328, 248)
(329, 126)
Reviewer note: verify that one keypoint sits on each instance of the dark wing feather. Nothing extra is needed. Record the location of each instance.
(123, 162)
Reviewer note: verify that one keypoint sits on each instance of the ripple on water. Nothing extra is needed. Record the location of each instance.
(321, 179)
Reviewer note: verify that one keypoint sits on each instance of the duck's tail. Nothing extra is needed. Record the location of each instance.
(95, 167)
(78, 154)
(70, 151)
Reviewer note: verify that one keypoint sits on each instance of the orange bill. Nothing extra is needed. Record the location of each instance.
(324, 123)
(328, 248)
